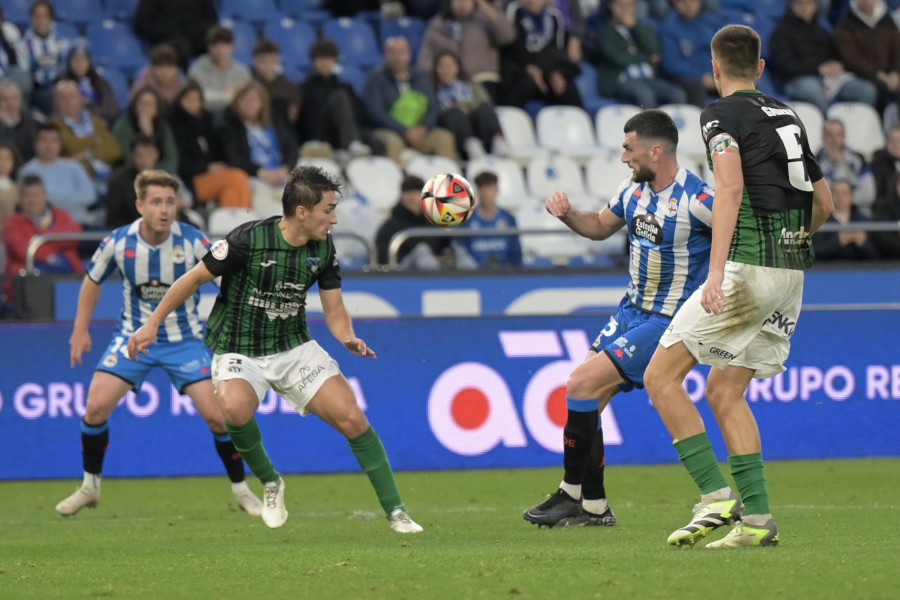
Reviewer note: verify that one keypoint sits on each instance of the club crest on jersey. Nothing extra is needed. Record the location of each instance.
(313, 263)
(647, 230)
(672, 207)
(219, 250)
(178, 255)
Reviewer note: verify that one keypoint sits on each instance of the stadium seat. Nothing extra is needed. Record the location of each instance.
(245, 37)
(67, 30)
(79, 12)
(294, 38)
(118, 83)
(121, 10)
(360, 219)
(512, 192)
(687, 120)
(353, 75)
(567, 130)
(605, 173)
(376, 181)
(518, 130)
(548, 174)
(295, 73)
(813, 122)
(558, 248)
(412, 28)
(610, 123)
(326, 164)
(223, 220)
(310, 11)
(253, 11)
(862, 125)
(16, 11)
(427, 166)
(355, 40)
(589, 90)
(114, 44)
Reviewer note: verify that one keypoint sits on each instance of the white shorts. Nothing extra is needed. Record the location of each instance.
(754, 331)
(296, 375)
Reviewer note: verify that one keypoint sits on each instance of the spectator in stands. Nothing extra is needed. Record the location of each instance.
(17, 126)
(42, 53)
(887, 208)
(85, 137)
(840, 162)
(400, 104)
(628, 58)
(474, 30)
(685, 36)
(9, 191)
(259, 143)
(466, 109)
(868, 43)
(162, 74)
(803, 57)
(9, 57)
(267, 69)
(844, 245)
(537, 66)
(37, 216)
(98, 95)
(886, 163)
(145, 115)
(495, 251)
(217, 72)
(331, 111)
(120, 197)
(422, 254)
(65, 181)
(200, 158)
(182, 25)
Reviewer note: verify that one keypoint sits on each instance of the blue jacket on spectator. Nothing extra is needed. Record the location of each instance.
(381, 91)
(685, 44)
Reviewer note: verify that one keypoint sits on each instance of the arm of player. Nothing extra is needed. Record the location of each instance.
(823, 205)
(729, 193)
(592, 225)
(183, 288)
(80, 342)
(339, 323)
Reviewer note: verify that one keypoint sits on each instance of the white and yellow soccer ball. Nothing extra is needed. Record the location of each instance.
(447, 200)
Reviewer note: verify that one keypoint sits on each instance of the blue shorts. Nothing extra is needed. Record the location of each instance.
(185, 362)
(629, 340)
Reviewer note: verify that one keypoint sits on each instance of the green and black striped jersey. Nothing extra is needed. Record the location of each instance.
(779, 169)
(261, 306)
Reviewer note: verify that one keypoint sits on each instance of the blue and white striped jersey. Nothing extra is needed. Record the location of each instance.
(670, 233)
(148, 272)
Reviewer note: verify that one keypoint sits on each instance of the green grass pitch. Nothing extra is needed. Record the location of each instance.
(185, 538)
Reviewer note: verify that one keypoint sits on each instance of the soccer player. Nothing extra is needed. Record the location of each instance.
(151, 254)
(667, 210)
(259, 334)
(770, 198)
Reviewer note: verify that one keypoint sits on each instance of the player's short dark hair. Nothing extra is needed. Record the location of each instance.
(411, 183)
(266, 46)
(164, 55)
(305, 187)
(654, 125)
(30, 180)
(737, 49)
(218, 34)
(323, 48)
(486, 178)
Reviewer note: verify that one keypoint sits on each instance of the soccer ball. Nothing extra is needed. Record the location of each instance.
(447, 200)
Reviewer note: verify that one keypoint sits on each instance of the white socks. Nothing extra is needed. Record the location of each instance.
(572, 489)
(91, 481)
(239, 487)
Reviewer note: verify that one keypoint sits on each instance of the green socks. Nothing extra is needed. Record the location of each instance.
(750, 478)
(248, 441)
(373, 459)
(697, 454)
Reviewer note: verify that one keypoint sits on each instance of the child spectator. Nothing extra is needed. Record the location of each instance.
(267, 69)
(217, 72)
(490, 251)
(162, 74)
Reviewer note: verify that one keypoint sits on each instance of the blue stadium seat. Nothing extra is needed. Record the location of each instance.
(295, 73)
(254, 11)
(294, 38)
(245, 37)
(121, 10)
(355, 39)
(310, 11)
(16, 11)
(114, 44)
(67, 30)
(79, 12)
(586, 83)
(412, 28)
(118, 82)
(353, 75)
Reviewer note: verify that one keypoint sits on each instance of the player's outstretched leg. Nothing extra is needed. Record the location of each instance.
(94, 442)
(595, 510)
(578, 435)
(247, 440)
(234, 466)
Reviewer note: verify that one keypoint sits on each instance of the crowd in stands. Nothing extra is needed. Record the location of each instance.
(229, 97)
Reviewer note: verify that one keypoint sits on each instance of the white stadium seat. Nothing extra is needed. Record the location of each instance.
(862, 125)
(813, 122)
(512, 192)
(427, 166)
(567, 130)
(326, 164)
(610, 123)
(548, 174)
(687, 120)
(376, 180)
(605, 172)
(223, 220)
(360, 219)
(557, 247)
(518, 131)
